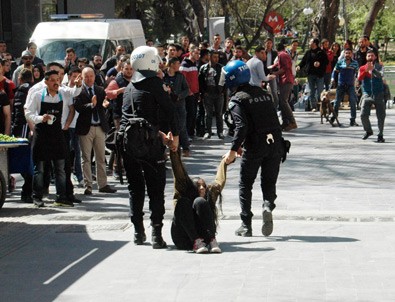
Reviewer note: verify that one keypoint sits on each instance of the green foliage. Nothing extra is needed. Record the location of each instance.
(385, 25)
(161, 18)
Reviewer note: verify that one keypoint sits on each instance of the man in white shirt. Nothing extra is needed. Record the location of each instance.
(44, 110)
(68, 93)
(255, 64)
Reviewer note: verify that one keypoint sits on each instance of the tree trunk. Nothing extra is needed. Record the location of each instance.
(133, 9)
(328, 20)
(376, 7)
(261, 26)
(188, 17)
(225, 10)
(199, 12)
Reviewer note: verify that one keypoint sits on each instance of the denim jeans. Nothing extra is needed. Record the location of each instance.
(316, 85)
(191, 108)
(327, 80)
(75, 146)
(366, 105)
(182, 121)
(340, 92)
(60, 178)
(211, 103)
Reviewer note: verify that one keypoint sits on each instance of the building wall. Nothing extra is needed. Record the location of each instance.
(18, 19)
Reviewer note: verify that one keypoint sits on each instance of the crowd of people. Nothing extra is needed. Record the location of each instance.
(66, 110)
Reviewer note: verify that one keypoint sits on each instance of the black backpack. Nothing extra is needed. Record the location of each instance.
(141, 140)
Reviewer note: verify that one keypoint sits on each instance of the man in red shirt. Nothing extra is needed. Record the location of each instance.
(283, 63)
(6, 85)
(190, 70)
(328, 70)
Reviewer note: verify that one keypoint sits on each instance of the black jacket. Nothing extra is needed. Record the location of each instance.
(151, 102)
(203, 73)
(18, 112)
(82, 104)
(254, 116)
(311, 56)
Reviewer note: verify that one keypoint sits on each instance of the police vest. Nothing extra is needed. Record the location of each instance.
(259, 108)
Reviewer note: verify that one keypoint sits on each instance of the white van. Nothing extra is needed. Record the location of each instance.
(87, 36)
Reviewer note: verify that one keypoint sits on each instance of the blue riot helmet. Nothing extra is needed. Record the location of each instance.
(236, 73)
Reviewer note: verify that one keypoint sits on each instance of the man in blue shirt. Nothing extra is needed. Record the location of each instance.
(345, 71)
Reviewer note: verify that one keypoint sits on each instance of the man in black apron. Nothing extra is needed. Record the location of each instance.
(45, 111)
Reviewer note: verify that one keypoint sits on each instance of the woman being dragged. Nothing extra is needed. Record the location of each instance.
(195, 214)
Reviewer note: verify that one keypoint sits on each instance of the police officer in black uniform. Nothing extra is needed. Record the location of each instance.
(258, 132)
(145, 97)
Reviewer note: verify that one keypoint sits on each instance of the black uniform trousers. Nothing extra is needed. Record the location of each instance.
(150, 174)
(267, 158)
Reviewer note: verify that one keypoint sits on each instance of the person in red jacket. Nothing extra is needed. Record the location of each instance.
(329, 67)
(191, 72)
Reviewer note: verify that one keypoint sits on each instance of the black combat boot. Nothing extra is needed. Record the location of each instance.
(139, 233)
(267, 217)
(157, 240)
(244, 230)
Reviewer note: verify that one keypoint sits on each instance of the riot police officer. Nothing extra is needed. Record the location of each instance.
(146, 98)
(258, 132)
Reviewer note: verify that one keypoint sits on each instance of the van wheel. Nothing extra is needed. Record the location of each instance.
(3, 189)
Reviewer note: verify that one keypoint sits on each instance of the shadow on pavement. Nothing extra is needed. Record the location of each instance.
(31, 210)
(312, 239)
(45, 260)
(237, 246)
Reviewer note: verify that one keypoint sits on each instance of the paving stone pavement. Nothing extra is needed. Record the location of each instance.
(333, 238)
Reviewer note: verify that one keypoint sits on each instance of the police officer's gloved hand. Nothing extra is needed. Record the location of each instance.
(286, 148)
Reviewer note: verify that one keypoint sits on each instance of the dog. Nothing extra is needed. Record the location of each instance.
(326, 108)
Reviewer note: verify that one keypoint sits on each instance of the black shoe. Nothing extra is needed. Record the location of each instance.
(380, 139)
(26, 199)
(244, 230)
(73, 199)
(221, 136)
(353, 123)
(267, 227)
(88, 191)
(38, 202)
(367, 134)
(157, 240)
(139, 234)
(63, 203)
(332, 120)
(139, 239)
(207, 136)
(107, 189)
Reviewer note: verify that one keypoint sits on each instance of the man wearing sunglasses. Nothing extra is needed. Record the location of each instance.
(26, 60)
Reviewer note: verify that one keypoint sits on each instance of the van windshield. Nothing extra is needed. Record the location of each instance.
(55, 50)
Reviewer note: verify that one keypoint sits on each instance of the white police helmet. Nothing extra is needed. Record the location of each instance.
(145, 62)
